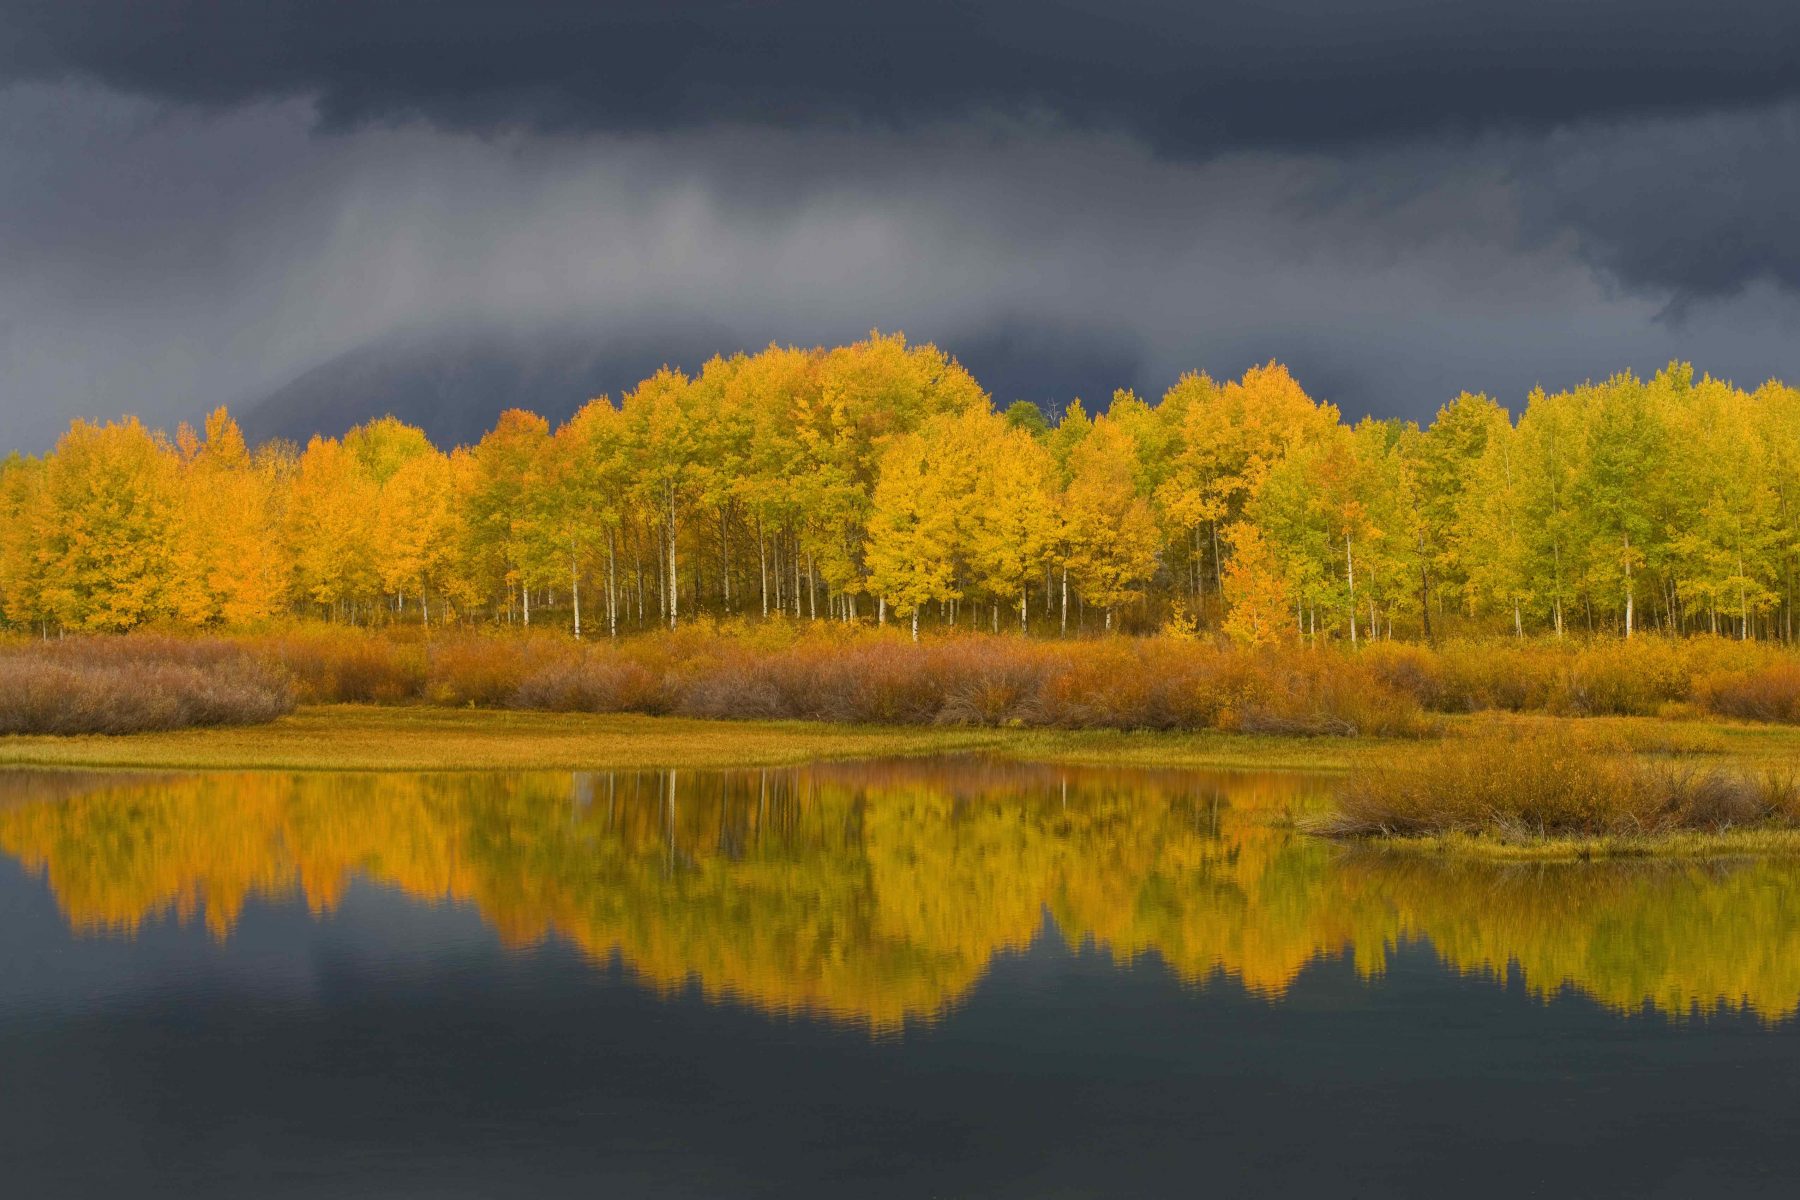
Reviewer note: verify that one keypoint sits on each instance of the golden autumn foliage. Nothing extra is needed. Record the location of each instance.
(880, 894)
(854, 483)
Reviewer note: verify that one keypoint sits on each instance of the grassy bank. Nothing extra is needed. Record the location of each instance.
(375, 738)
(1683, 844)
(412, 738)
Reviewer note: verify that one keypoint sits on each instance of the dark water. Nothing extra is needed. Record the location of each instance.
(927, 979)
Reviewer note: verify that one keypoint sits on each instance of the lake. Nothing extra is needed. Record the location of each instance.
(923, 978)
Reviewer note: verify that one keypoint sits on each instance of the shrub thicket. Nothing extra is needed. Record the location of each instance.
(831, 672)
(129, 685)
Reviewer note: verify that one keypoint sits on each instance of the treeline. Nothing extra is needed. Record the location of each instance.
(876, 482)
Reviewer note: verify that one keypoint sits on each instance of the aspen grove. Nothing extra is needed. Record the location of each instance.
(876, 483)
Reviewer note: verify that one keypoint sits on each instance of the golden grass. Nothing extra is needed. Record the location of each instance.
(417, 738)
(1681, 843)
(1561, 789)
(375, 738)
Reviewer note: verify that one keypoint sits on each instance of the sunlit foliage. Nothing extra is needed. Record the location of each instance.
(876, 481)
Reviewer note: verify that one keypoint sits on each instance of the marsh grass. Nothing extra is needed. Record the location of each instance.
(135, 685)
(1519, 784)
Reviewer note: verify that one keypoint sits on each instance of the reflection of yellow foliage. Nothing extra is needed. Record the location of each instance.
(879, 893)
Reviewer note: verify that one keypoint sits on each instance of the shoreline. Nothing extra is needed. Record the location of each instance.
(355, 737)
(348, 737)
(1678, 846)
(417, 738)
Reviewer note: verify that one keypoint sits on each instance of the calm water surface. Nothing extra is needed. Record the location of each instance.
(889, 979)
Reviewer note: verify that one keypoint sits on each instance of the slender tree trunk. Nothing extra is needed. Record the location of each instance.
(674, 577)
(1350, 576)
(762, 565)
(915, 623)
(1629, 590)
(1218, 564)
(575, 591)
(1743, 606)
(1556, 582)
(1425, 598)
(1065, 601)
(612, 588)
(724, 559)
(1024, 615)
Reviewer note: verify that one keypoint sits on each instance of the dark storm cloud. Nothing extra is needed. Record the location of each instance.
(1694, 208)
(1186, 78)
(161, 261)
(339, 209)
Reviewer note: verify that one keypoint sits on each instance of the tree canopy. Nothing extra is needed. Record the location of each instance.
(878, 481)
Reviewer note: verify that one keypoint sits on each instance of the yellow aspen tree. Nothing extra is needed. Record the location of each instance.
(1113, 539)
(24, 513)
(330, 530)
(911, 549)
(416, 529)
(229, 565)
(1262, 606)
(1013, 523)
(112, 496)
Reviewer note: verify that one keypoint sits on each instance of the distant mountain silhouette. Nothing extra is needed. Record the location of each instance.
(454, 383)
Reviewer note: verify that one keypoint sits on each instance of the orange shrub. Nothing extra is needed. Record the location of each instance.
(592, 682)
(488, 670)
(829, 671)
(347, 666)
(1768, 693)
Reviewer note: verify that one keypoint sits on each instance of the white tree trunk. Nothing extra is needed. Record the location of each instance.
(674, 578)
(575, 592)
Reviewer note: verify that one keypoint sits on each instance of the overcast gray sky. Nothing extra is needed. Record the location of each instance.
(203, 204)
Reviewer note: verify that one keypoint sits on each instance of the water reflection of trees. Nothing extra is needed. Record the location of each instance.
(880, 893)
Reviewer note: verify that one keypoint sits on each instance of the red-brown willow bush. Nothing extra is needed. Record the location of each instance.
(1612, 677)
(1767, 693)
(135, 684)
(1114, 683)
(344, 666)
(830, 672)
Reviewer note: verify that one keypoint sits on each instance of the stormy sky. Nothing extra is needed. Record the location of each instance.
(317, 211)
